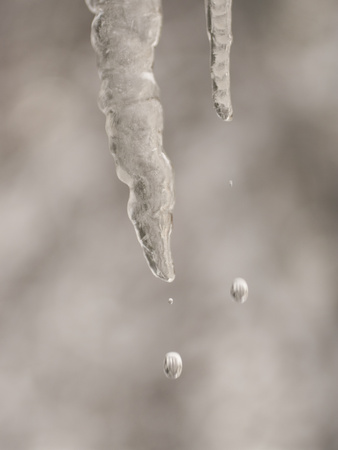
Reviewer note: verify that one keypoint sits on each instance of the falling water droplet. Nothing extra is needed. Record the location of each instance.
(239, 290)
(231, 183)
(172, 365)
(170, 301)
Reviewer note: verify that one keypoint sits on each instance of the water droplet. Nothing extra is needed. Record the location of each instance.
(239, 290)
(172, 365)
(231, 183)
(170, 301)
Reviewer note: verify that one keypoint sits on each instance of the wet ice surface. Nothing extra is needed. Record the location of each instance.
(218, 14)
(124, 35)
(84, 329)
(172, 365)
(239, 290)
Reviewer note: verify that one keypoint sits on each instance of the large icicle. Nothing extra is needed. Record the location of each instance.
(124, 34)
(218, 14)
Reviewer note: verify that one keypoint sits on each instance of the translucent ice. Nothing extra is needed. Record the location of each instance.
(172, 365)
(124, 34)
(218, 14)
(239, 290)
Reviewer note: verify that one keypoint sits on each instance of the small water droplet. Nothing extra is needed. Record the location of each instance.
(172, 365)
(170, 301)
(239, 290)
(231, 183)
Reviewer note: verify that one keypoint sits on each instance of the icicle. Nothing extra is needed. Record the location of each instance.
(124, 34)
(218, 13)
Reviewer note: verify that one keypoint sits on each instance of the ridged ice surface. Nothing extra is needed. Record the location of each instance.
(218, 14)
(172, 365)
(124, 34)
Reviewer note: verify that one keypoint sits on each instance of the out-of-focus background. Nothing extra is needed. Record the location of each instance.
(84, 325)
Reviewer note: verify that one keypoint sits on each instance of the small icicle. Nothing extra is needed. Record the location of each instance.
(124, 34)
(218, 13)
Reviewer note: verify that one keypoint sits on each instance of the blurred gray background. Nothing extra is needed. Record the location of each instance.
(84, 325)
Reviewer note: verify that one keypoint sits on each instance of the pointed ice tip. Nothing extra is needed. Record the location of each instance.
(168, 278)
(153, 232)
(163, 269)
(156, 249)
(224, 113)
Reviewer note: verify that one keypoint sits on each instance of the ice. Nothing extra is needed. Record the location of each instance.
(218, 13)
(124, 34)
(239, 290)
(172, 365)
